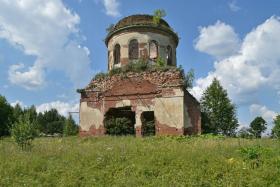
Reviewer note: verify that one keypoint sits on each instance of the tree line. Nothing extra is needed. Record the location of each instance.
(49, 123)
(218, 115)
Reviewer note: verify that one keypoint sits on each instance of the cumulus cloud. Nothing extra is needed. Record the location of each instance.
(47, 30)
(263, 111)
(218, 40)
(63, 108)
(257, 64)
(31, 79)
(111, 7)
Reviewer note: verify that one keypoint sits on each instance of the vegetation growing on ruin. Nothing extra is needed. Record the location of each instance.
(142, 65)
(155, 161)
(158, 15)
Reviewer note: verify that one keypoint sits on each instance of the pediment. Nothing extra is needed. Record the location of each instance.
(131, 87)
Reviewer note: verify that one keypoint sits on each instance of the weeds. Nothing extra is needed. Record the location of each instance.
(252, 155)
(130, 161)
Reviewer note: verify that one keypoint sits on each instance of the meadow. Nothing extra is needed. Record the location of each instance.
(153, 161)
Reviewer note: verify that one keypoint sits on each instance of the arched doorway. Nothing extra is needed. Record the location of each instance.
(148, 123)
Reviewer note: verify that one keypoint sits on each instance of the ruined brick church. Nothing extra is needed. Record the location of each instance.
(158, 96)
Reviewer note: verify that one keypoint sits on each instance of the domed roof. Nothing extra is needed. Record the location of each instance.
(140, 21)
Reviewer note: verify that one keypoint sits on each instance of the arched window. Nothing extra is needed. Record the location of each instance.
(153, 49)
(133, 49)
(169, 56)
(117, 54)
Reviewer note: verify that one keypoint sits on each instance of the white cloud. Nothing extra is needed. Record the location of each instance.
(111, 7)
(257, 64)
(233, 6)
(263, 111)
(47, 30)
(33, 78)
(63, 108)
(218, 40)
(13, 104)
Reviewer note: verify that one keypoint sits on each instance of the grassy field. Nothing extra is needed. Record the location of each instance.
(129, 161)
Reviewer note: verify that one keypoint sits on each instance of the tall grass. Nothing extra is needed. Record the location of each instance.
(129, 161)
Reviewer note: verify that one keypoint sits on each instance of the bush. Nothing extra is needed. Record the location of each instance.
(252, 155)
(100, 75)
(119, 126)
(24, 131)
(160, 62)
(148, 128)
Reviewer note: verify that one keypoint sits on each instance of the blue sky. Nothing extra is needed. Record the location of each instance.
(49, 48)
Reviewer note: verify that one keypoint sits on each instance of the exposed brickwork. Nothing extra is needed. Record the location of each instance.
(131, 86)
(138, 132)
(169, 78)
(124, 61)
(144, 53)
(163, 129)
(140, 89)
(142, 45)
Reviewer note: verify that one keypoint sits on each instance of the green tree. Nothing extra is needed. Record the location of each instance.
(17, 111)
(158, 14)
(23, 131)
(31, 112)
(70, 127)
(218, 112)
(258, 126)
(276, 128)
(51, 122)
(6, 116)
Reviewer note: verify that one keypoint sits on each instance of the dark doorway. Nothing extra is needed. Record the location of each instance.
(148, 123)
(120, 121)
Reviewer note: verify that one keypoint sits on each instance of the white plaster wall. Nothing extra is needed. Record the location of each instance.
(170, 111)
(138, 112)
(123, 40)
(123, 103)
(89, 116)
